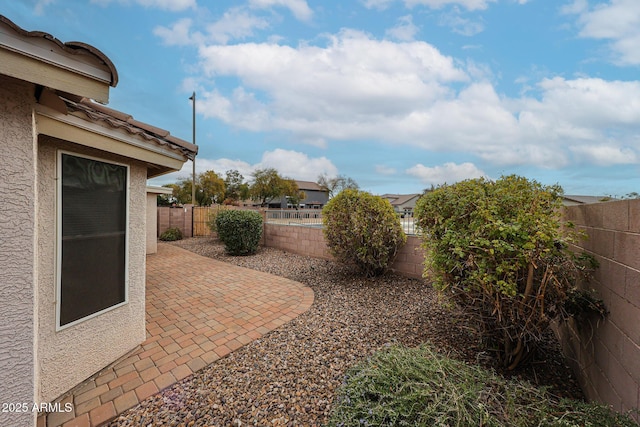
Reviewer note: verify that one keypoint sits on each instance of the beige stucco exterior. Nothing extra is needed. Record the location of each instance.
(18, 233)
(152, 216)
(68, 356)
(46, 107)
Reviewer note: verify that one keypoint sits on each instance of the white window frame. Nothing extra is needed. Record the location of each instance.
(58, 301)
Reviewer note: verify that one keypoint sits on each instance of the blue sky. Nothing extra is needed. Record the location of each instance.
(397, 94)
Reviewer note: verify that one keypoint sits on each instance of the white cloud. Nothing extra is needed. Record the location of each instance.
(606, 155)
(617, 21)
(351, 80)
(171, 5)
(297, 165)
(447, 173)
(385, 170)
(299, 8)
(377, 4)
(288, 163)
(460, 25)
(438, 4)
(405, 30)
(578, 6)
(407, 93)
(176, 35)
(41, 5)
(236, 23)
(433, 4)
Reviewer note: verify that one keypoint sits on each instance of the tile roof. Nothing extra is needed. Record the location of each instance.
(86, 60)
(119, 120)
(72, 48)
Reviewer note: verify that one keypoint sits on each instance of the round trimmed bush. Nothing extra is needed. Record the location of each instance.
(240, 231)
(364, 230)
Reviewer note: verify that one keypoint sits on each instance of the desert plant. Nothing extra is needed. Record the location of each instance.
(362, 229)
(171, 234)
(497, 247)
(400, 386)
(239, 230)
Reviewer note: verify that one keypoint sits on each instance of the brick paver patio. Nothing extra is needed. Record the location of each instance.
(198, 310)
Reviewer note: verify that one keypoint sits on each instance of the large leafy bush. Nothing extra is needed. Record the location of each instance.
(239, 230)
(498, 249)
(362, 229)
(420, 388)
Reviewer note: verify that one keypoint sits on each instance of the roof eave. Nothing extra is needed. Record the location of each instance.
(42, 59)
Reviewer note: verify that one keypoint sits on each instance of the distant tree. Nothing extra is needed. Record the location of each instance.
(236, 188)
(267, 185)
(167, 199)
(334, 185)
(210, 188)
(181, 191)
(293, 194)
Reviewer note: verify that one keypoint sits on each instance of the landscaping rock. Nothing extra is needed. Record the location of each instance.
(288, 377)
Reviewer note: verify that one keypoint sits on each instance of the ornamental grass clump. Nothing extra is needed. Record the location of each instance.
(498, 249)
(364, 230)
(239, 230)
(419, 387)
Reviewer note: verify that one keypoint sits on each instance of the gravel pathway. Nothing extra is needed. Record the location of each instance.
(289, 376)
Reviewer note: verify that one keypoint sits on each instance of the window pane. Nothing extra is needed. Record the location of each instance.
(94, 204)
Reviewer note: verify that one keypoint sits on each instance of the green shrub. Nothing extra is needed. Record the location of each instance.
(418, 387)
(497, 248)
(171, 234)
(213, 214)
(240, 231)
(362, 229)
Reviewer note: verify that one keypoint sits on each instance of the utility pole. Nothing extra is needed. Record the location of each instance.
(193, 178)
(193, 140)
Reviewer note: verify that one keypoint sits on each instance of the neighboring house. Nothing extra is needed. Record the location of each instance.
(72, 225)
(403, 204)
(315, 197)
(569, 200)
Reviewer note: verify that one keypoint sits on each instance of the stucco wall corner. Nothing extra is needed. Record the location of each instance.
(17, 249)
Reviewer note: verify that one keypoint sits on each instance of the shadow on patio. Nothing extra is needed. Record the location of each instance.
(198, 310)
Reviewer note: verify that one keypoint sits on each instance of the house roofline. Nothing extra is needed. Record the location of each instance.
(73, 50)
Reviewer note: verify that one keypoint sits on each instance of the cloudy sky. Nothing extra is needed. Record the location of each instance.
(397, 94)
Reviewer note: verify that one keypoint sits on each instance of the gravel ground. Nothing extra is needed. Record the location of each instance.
(288, 377)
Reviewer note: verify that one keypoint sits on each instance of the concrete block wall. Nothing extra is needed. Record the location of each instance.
(410, 259)
(310, 241)
(301, 240)
(606, 355)
(175, 217)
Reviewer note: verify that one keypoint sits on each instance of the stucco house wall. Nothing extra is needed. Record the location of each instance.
(152, 216)
(46, 93)
(68, 356)
(17, 248)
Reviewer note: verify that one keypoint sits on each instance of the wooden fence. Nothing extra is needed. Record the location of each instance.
(201, 217)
